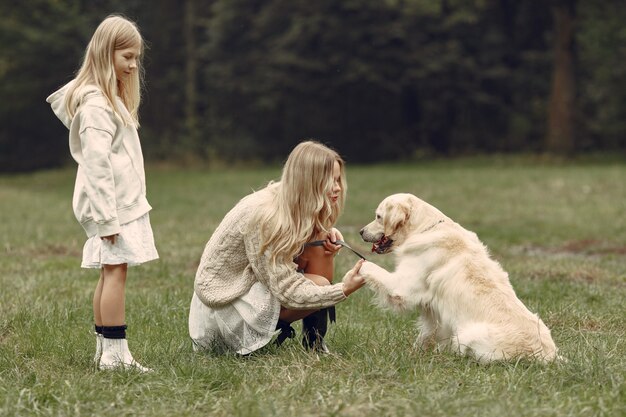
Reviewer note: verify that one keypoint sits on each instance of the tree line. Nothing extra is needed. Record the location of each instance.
(234, 80)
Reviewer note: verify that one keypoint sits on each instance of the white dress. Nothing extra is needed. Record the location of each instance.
(243, 326)
(133, 246)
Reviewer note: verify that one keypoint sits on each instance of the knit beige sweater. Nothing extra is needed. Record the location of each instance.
(231, 264)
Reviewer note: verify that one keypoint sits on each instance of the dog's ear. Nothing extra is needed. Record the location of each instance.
(397, 215)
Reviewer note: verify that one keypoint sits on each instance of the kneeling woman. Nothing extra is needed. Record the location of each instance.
(256, 275)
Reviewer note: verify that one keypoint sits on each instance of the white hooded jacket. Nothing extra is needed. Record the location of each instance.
(110, 187)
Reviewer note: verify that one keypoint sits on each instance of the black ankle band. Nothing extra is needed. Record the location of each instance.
(98, 329)
(114, 332)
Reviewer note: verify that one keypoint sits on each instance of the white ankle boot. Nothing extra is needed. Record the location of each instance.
(115, 355)
(96, 357)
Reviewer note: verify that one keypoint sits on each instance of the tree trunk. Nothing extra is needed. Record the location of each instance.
(561, 131)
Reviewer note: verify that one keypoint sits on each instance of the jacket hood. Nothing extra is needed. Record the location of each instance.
(57, 101)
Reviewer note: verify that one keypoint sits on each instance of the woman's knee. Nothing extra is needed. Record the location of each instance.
(317, 279)
(319, 263)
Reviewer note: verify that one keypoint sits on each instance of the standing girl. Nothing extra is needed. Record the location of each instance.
(256, 277)
(100, 109)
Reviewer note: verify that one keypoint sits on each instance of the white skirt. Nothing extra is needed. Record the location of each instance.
(243, 326)
(133, 246)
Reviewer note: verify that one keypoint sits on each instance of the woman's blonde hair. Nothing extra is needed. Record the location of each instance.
(114, 33)
(300, 206)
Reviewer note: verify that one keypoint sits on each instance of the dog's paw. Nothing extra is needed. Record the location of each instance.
(370, 270)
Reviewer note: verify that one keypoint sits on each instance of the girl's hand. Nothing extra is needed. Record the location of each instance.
(352, 281)
(110, 238)
(329, 246)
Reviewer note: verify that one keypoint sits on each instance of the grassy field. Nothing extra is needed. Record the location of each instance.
(559, 230)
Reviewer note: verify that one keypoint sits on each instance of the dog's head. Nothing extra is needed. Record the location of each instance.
(397, 216)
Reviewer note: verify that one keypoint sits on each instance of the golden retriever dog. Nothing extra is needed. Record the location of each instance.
(464, 297)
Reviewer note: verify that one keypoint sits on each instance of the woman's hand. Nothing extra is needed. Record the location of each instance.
(352, 281)
(330, 247)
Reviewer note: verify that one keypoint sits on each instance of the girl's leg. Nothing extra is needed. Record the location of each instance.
(112, 295)
(97, 295)
(97, 317)
(115, 353)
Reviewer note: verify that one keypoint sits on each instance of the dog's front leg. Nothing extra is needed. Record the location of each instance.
(383, 283)
(427, 328)
(376, 277)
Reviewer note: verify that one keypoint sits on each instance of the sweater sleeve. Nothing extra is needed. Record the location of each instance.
(290, 287)
(97, 129)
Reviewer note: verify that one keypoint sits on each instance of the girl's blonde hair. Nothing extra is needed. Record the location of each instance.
(114, 33)
(299, 206)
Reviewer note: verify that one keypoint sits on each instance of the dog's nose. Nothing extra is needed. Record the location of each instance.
(361, 232)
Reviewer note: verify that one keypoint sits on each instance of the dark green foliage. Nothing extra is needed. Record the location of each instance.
(378, 80)
(602, 40)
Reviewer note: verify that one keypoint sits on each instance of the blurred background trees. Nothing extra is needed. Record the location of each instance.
(234, 80)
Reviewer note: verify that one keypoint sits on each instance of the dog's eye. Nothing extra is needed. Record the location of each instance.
(379, 217)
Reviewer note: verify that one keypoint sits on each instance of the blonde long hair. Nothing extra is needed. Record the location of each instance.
(114, 33)
(299, 205)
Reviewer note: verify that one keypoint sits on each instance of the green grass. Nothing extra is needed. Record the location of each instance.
(560, 231)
